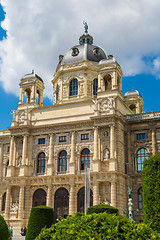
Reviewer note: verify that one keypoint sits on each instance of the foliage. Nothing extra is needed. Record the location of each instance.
(40, 217)
(151, 191)
(102, 208)
(4, 231)
(97, 227)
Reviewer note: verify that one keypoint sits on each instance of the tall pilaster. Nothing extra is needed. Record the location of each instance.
(72, 159)
(95, 193)
(153, 142)
(7, 205)
(113, 194)
(21, 203)
(11, 151)
(49, 196)
(23, 168)
(50, 160)
(112, 162)
(72, 207)
(11, 168)
(129, 164)
(96, 162)
(1, 160)
(24, 152)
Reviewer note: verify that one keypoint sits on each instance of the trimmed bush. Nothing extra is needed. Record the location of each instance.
(40, 217)
(100, 226)
(4, 231)
(151, 191)
(102, 208)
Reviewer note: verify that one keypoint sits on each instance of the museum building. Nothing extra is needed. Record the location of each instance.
(44, 153)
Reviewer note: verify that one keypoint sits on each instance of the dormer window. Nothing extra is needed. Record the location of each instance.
(75, 52)
(96, 51)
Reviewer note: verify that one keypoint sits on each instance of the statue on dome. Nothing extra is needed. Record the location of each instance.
(85, 26)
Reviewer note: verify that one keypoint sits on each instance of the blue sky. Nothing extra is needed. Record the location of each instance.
(33, 35)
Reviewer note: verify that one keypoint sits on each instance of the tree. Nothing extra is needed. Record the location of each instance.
(151, 191)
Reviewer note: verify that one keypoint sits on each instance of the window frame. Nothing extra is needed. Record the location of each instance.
(62, 139)
(62, 162)
(141, 155)
(84, 136)
(85, 159)
(141, 136)
(95, 86)
(41, 163)
(73, 87)
(41, 141)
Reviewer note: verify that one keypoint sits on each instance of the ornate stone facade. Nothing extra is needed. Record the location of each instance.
(44, 153)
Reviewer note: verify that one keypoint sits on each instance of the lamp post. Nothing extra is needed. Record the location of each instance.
(130, 213)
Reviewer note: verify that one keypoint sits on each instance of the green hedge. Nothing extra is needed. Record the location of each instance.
(4, 231)
(100, 226)
(102, 208)
(151, 191)
(40, 217)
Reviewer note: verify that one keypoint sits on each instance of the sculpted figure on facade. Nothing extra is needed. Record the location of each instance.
(14, 207)
(106, 154)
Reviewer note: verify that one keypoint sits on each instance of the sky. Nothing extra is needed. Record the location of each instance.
(34, 33)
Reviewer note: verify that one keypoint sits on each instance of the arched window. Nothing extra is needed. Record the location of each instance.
(38, 97)
(41, 163)
(73, 90)
(95, 86)
(61, 203)
(85, 159)
(141, 155)
(81, 199)
(57, 93)
(39, 198)
(140, 198)
(107, 82)
(7, 164)
(62, 161)
(27, 95)
(3, 201)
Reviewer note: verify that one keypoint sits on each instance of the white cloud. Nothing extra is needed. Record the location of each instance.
(38, 31)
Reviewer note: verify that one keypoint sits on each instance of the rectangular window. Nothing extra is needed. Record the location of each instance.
(141, 136)
(62, 139)
(85, 136)
(41, 141)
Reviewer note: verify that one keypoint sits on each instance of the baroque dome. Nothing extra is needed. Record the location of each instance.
(84, 51)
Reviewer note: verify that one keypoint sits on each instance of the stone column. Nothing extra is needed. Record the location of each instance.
(95, 157)
(14, 153)
(1, 161)
(7, 205)
(96, 193)
(153, 142)
(113, 194)
(24, 152)
(11, 151)
(112, 162)
(21, 203)
(112, 143)
(96, 162)
(72, 159)
(50, 160)
(72, 206)
(49, 196)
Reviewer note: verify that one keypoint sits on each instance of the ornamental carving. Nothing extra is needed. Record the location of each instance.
(106, 154)
(81, 88)
(64, 91)
(107, 104)
(14, 207)
(22, 116)
(59, 148)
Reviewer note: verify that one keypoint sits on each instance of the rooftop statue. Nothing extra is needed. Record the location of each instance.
(85, 27)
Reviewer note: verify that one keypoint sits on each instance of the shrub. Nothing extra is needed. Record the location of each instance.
(4, 231)
(102, 208)
(151, 191)
(97, 227)
(40, 217)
